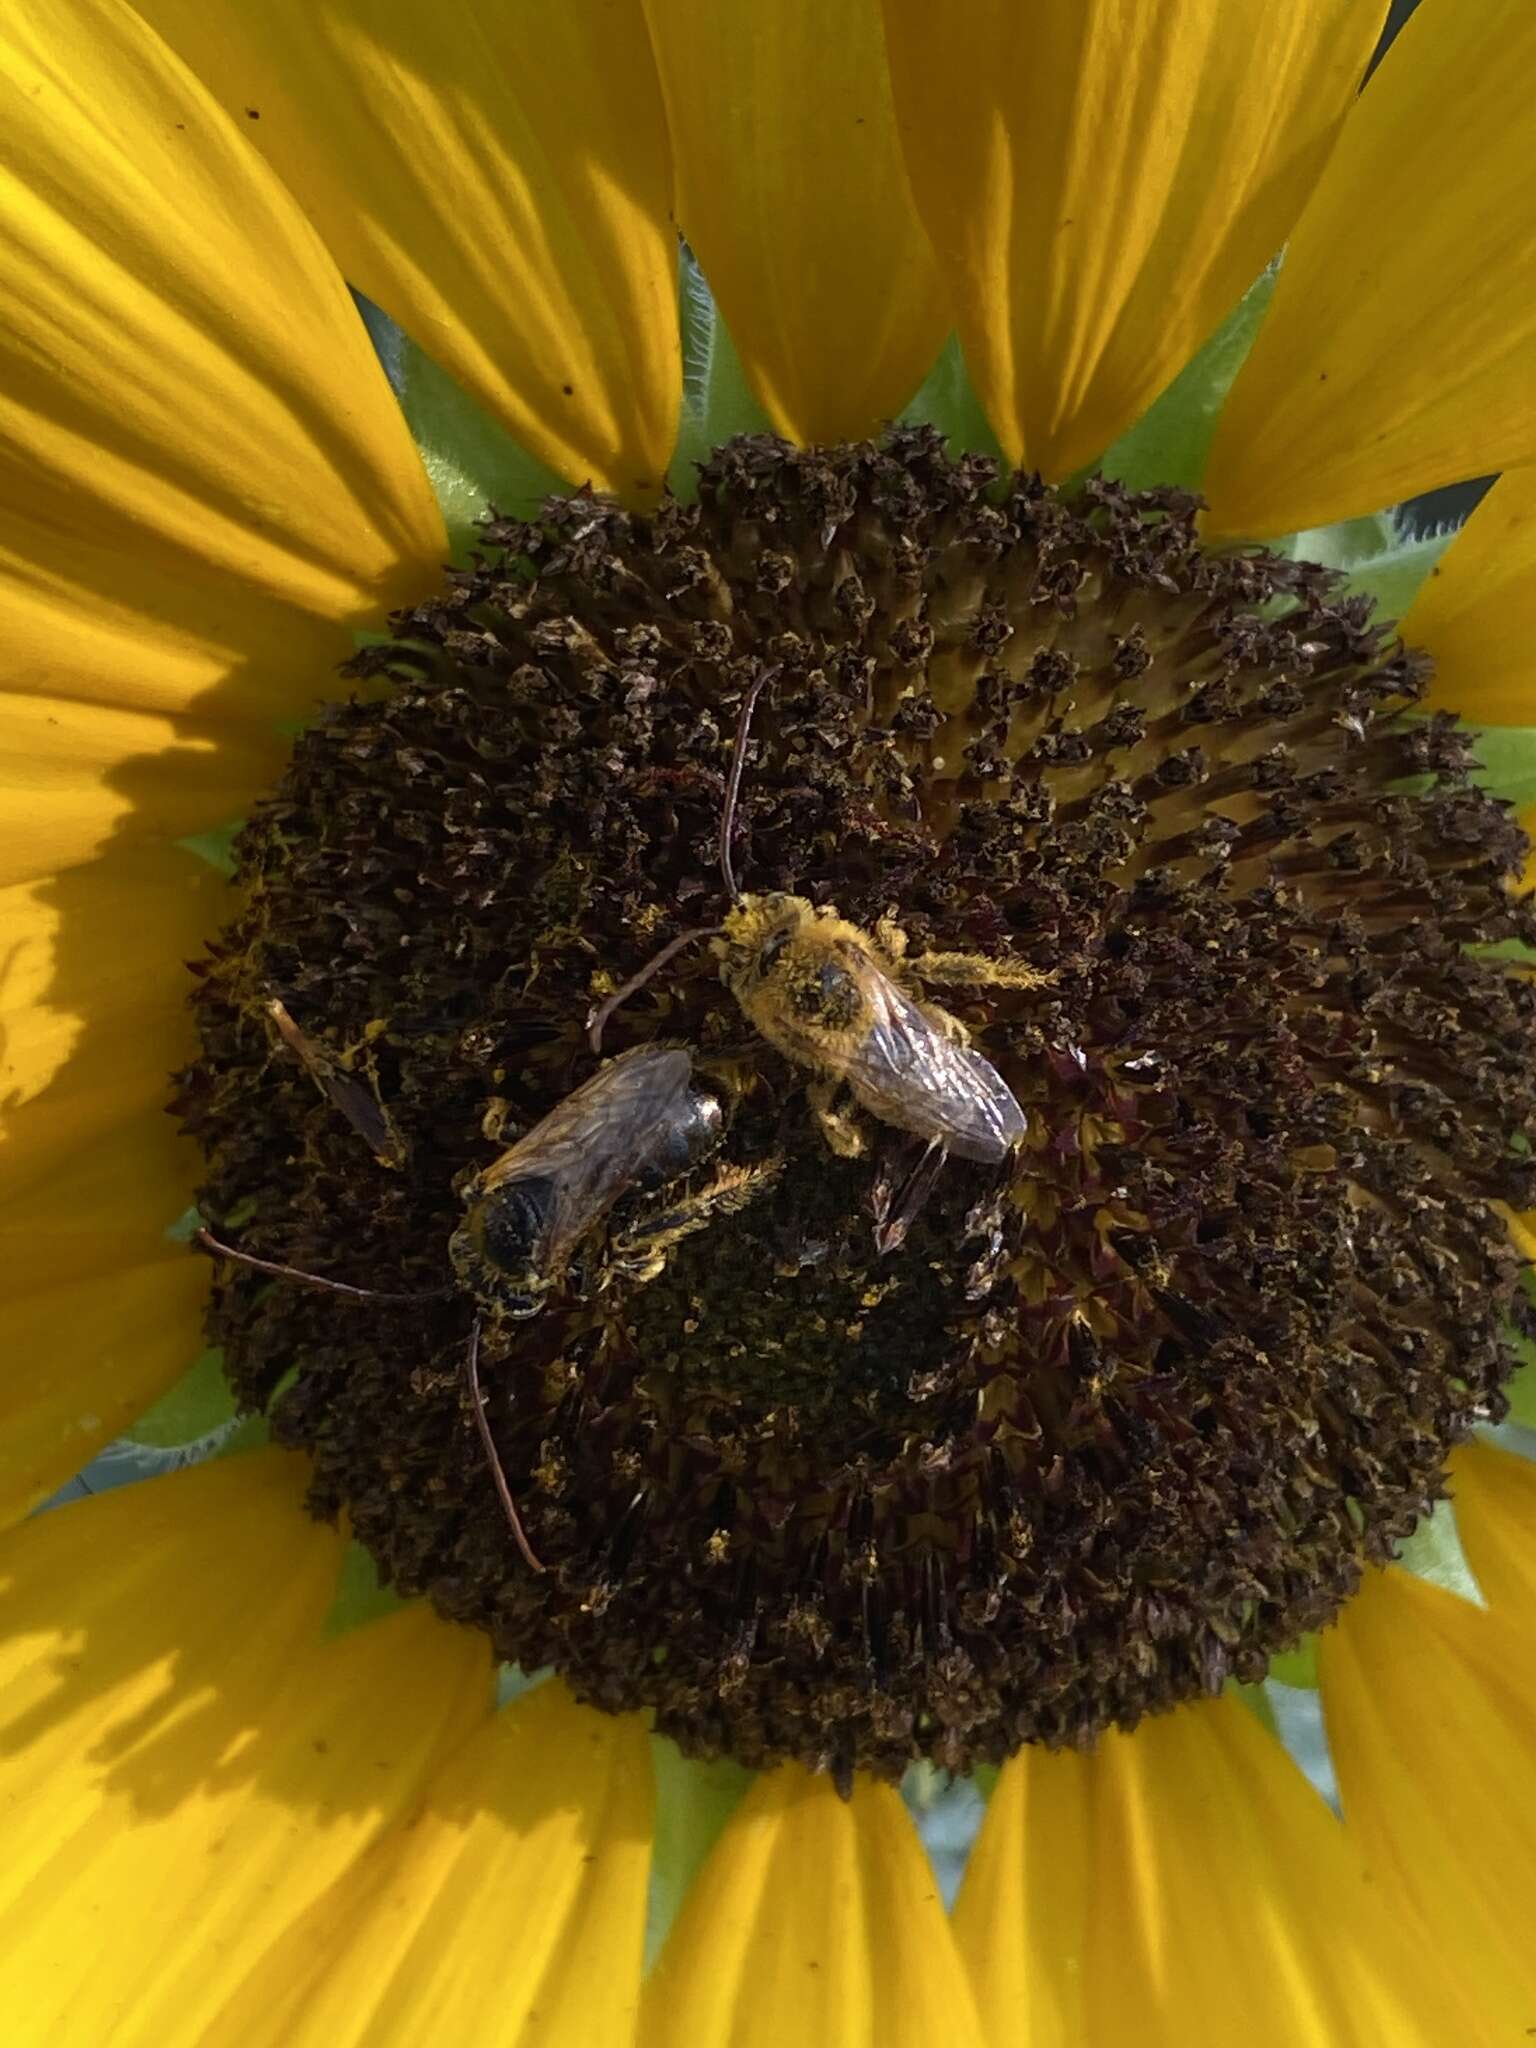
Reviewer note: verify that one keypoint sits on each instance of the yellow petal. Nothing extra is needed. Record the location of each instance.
(1431, 1712)
(815, 1919)
(1183, 1885)
(79, 616)
(498, 179)
(204, 474)
(185, 1769)
(1399, 351)
(94, 998)
(1521, 1226)
(1103, 180)
(85, 1357)
(790, 191)
(181, 361)
(1496, 1520)
(101, 1309)
(1476, 613)
(82, 780)
(509, 1911)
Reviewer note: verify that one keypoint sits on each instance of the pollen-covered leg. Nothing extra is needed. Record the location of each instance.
(977, 971)
(891, 1228)
(841, 1128)
(499, 1123)
(891, 938)
(639, 1253)
(948, 1025)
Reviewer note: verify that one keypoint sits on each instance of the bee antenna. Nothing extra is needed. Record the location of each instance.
(488, 1442)
(220, 1250)
(733, 781)
(597, 1018)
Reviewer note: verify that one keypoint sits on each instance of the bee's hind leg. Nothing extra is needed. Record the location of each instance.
(975, 970)
(639, 1252)
(840, 1127)
(891, 1228)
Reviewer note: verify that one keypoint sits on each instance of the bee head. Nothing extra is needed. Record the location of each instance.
(493, 1251)
(758, 938)
(783, 958)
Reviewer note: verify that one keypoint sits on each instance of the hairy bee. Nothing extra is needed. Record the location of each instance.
(638, 1123)
(826, 995)
(829, 996)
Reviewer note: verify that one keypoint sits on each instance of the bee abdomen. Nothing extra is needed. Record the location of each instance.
(683, 1140)
(512, 1219)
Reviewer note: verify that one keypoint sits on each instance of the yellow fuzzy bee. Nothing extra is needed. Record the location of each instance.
(831, 997)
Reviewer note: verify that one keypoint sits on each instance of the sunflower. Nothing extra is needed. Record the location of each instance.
(1019, 697)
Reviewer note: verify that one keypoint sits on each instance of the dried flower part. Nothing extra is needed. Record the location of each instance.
(1106, 1429)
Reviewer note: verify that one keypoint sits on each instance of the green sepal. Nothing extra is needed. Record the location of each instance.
(1257, 1701)
(946, 399)
(1347, 544)
(197, 1406)
(1506, 757)
(186, 1226)
(693, 1803)
(471, 461)
(1392, 577)
(1521, 1391)
(1434, 1552)
(984, 1778)
(250, 1433)
(216, 846)
(360, 1596)
(1296, 1666)
(1170, 442)
(512, 1681)
(717, 399)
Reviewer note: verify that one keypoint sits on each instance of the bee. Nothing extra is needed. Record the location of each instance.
(826, 995)
(638, 1123)
(830, 997)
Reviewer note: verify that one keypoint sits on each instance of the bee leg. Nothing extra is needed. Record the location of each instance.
(498, 1122)
(891, 1231)
(639, 1253)
(985, 1221)
(890, 937)
(840, 1127)
(977, 971)
(947, 1025)
(881, 1195)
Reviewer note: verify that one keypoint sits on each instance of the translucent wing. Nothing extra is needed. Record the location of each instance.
(907, 1072)
(597, 1141)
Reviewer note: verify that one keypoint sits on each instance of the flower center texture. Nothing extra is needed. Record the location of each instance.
(1031, 1247)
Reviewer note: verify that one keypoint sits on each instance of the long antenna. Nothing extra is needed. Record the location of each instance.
(596, 1019)
(220, 1250)
(492, 1456)
(733, 783)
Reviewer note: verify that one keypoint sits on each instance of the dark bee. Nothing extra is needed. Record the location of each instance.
(637, 1124)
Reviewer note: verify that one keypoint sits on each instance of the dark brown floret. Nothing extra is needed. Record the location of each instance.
(1252, 1284)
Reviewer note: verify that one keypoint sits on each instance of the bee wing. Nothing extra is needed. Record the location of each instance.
(595, 1142)
(907, 1072)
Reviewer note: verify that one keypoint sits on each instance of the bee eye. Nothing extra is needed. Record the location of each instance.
(772, 947)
